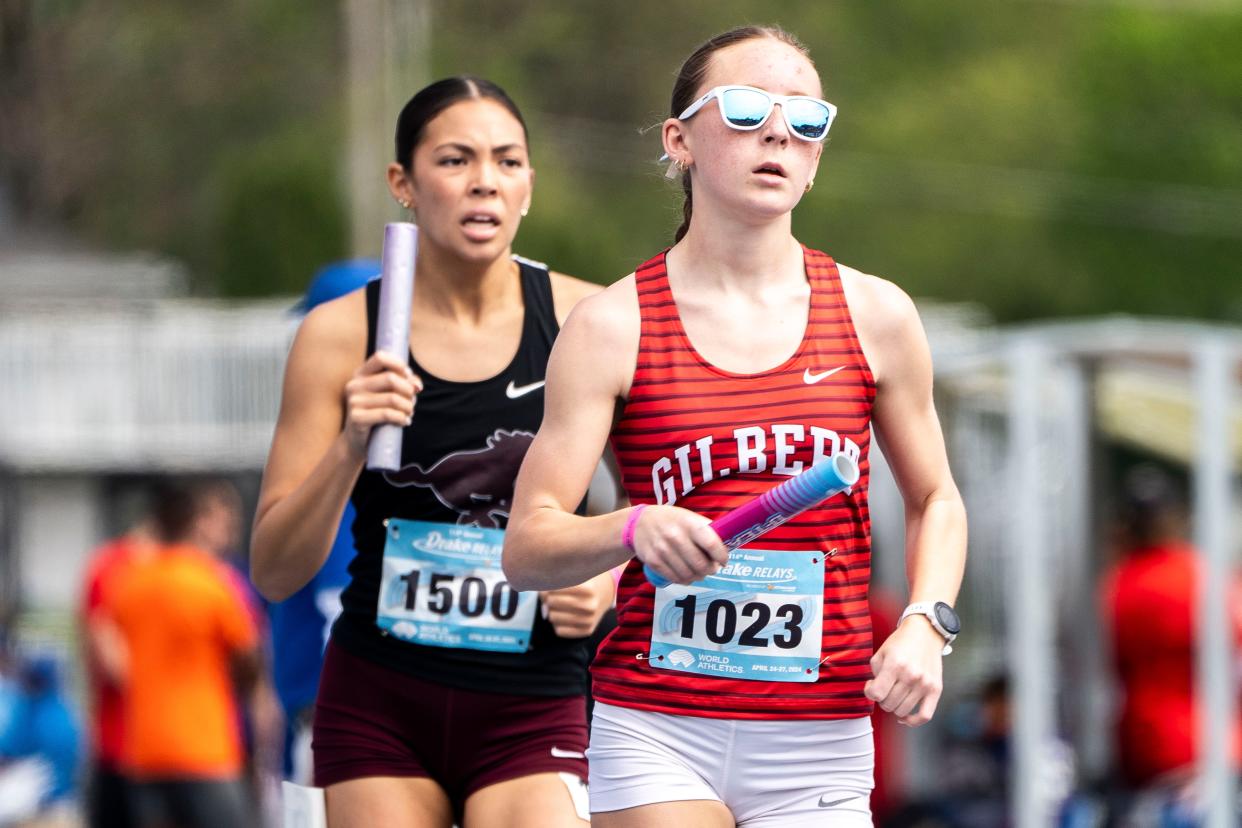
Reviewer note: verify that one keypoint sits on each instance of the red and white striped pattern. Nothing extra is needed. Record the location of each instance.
(677, 401)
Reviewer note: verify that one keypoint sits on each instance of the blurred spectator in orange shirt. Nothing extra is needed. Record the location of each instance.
(183, 645)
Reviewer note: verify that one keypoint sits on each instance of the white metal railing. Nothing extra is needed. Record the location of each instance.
(175, 384)
(1034, 570)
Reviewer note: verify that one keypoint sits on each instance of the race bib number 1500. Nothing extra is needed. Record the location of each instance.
(442, 586)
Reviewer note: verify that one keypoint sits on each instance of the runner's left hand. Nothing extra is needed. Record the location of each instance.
(575, 611)
(908, 672)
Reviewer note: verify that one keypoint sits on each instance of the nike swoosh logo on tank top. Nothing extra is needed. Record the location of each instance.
(811, 379)
(514, 391)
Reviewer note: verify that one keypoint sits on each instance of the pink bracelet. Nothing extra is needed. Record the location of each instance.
(631, 524)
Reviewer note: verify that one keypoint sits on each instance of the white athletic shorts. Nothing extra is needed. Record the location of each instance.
(767, 773)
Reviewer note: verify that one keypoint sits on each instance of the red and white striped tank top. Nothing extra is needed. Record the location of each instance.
(708, 440)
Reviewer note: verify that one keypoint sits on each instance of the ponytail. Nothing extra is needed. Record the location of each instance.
(687, 207)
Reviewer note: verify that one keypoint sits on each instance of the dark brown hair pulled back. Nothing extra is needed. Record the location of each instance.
(690, 78)
(431, 100)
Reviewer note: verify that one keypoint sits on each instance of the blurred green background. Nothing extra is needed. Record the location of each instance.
(1038, 158)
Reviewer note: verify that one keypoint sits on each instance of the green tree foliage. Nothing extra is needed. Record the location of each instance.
(269, 198)
(1039, 157)
(144, 114)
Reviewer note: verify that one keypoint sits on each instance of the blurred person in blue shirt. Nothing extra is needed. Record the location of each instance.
(40, 743)
(300, 623)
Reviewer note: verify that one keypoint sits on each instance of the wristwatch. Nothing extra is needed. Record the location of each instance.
(942, 617)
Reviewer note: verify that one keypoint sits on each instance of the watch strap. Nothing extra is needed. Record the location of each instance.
(928, 608)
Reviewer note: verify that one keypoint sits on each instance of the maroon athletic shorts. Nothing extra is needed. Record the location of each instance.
(373, 721)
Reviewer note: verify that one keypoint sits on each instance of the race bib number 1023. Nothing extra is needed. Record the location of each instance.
(441, 585)
(760, 618)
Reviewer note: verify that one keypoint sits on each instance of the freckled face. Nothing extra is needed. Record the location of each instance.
(471, 179)
(762, 172)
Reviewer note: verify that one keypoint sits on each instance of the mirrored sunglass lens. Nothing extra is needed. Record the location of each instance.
(744, 108)
(807, 118)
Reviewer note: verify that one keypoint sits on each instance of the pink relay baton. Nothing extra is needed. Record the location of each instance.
(755, 517)
(392, 329)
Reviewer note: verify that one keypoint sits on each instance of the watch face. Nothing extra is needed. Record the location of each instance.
(948, 618)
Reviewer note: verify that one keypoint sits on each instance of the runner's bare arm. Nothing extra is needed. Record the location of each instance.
(328, 407)
(907, 667)
(576, 611)
(546, 545)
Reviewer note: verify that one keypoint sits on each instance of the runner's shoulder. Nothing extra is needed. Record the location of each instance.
(337, 328)
(568, 291)
(877, 304)
(607, 319)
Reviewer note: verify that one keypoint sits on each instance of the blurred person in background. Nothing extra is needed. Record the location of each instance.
(974, 769)
(39, 739)
(260, 716)
(301, 623)
(108, 799)
(182, 645)
(1150, 603)
(973, 766)
(470, 396)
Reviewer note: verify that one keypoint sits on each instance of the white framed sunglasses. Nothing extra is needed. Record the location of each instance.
(746, 108)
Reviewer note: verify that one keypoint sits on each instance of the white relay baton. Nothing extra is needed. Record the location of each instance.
(392, 329)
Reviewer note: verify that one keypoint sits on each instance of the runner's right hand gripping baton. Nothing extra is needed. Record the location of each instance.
(778, 504)
(392, 329)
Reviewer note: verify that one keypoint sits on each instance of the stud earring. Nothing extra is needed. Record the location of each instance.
(525, 211)
(809, 185)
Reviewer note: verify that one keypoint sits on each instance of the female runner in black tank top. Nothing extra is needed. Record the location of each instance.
(445, 695)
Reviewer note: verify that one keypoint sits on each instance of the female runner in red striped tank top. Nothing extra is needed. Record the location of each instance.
(739, 694)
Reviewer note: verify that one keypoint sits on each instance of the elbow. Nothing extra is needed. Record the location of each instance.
(271, 591)
(516, 574)
(269, 568)
(946, 499)
(267, 582)
(264, 573)
(520, 585)
(274, 594)
(516, 566)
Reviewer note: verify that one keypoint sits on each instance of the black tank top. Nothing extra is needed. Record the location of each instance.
(459, 460)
